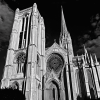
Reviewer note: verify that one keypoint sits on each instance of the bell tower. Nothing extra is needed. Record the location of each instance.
(25, 65)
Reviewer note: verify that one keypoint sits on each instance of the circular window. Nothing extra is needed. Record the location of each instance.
(55, 62)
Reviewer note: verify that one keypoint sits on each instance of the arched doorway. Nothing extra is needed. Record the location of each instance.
(52, 91)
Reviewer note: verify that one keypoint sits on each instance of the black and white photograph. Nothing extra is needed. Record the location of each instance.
(49, 50)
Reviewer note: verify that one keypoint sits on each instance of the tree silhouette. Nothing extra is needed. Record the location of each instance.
(11, 94)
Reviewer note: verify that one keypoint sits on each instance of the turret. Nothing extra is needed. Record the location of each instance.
(87, 60)
(91, 60)
(96, 61)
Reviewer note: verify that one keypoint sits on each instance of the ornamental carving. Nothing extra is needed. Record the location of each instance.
(21, 58)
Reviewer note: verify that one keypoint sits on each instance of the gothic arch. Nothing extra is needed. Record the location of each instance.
(52, 90)
(52, 80)
(59, 53)
(15, 85)
(20, 60)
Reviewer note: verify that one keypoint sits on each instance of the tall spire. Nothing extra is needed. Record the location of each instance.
(64, 33)
(63, 23)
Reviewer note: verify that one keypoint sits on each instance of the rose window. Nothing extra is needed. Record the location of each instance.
(55, 62)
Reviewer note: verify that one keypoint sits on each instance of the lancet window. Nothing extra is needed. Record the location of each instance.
(38, 66)
(25, 30)
(20, 62)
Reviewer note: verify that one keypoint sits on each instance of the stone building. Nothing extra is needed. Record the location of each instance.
(52, 73)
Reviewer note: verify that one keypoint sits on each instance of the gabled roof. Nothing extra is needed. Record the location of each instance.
(55, 48)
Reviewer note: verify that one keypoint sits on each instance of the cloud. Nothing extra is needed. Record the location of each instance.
(91, 40)
(6, 22)
(92, 46)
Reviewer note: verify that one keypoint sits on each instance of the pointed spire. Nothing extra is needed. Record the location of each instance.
(55, 40)
(92, 62)
(85, 50)
(35, 9)
(86, 55)
(83, 60)
(95, 58)
(42, 23)
(17, 13)
(96, 61)
(63, 24)
(17, 10)
(64, 33)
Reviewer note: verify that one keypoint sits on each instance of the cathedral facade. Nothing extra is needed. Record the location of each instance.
(52, 73)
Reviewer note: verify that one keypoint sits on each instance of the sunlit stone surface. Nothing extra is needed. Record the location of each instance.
(52, 73)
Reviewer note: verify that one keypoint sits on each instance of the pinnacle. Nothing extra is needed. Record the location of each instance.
(54, 40)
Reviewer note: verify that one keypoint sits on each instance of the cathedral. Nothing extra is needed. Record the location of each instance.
(52, 73)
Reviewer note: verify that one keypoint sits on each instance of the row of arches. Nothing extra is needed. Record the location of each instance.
(25, 31)
(55, 62)
(81, 82)
(52, 92)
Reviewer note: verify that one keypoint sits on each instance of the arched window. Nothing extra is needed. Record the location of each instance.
(39, 86)
(52, 91)
(38, 66)
(23, 38)
(15, 85)
(20, 62)
(78, 82)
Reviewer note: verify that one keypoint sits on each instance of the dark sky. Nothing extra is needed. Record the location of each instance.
(78, 15)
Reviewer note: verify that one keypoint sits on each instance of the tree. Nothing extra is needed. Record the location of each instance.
(11, 94)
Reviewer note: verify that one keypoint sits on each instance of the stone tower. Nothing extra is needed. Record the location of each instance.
(25, 62)
(52, 73)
